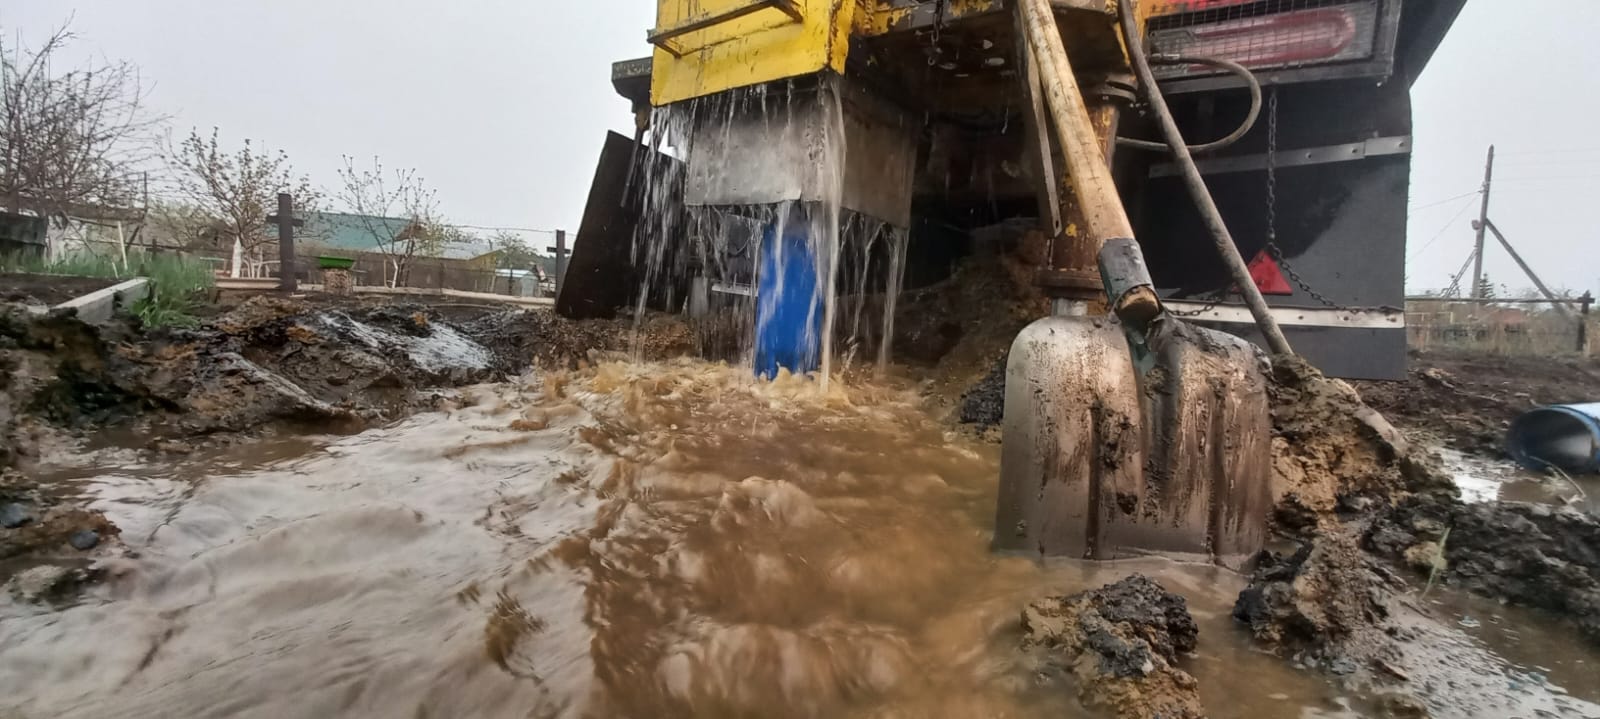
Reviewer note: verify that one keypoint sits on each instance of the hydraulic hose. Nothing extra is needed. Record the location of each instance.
(1226, 249)
(1244, 128)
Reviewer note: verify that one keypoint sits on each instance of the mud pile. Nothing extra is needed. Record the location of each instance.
(1332, 453)
(519, 339)
(1120, 644)
(1527, 554)
(1325, 605)
(963, 327)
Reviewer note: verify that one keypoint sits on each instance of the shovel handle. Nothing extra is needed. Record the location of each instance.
(1135, 301)
(1086, 161)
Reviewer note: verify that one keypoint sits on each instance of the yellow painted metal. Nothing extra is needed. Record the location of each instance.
(750, 50)
(880, 17)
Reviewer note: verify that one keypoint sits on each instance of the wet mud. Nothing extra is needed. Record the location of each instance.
(1333, 454)
(1120, 644)
(268, 365)
(1531, 555)
(1468, 400)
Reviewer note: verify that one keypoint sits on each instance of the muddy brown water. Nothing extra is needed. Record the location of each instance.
(637, 541)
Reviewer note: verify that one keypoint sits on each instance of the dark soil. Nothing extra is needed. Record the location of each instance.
(1315, 601)
(47, 290)
(1531, 555)
(985, 404)
(1121, 645)
(1468, 400)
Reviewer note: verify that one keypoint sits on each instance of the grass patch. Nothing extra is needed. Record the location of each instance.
(174, 281)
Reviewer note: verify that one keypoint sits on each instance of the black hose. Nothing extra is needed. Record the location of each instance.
(1226, 249)
(1244, 128)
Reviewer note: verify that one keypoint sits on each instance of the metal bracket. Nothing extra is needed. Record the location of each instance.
(1371, 318)
(1376, 147)
(663, 38)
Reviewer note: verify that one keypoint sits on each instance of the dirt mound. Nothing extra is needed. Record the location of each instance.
(962, 326)
(1332, 452)
(1121, 644)
(1469, 399)
(1315, 603)
(985, 404)
(1532, 555)
(523, 338)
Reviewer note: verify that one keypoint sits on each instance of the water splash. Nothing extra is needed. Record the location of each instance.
(730, 168)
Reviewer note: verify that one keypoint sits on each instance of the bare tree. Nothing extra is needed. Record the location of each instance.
(398, 210)
(239, 188)
(73, 139)
(185, 225)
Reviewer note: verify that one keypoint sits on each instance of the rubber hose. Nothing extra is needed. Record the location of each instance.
(1223, 239)
(1244, 128)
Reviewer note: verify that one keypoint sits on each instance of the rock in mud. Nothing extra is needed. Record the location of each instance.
(985, 404)
(84, 540)
(1121, 645)
(1321, 604)
(54, 532)
(1528, 554)
(41, 584)
(14, 515)
(1331, 452)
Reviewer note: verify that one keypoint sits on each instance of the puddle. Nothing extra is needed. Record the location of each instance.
(647, 541)
(1488, 480)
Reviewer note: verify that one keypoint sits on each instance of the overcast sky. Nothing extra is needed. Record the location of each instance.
(503, 104)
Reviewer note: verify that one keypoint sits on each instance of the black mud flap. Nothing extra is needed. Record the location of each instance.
(1342, 230)
(600, 277)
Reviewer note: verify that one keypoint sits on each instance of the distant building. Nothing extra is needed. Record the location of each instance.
(351, 233)
(22, 235)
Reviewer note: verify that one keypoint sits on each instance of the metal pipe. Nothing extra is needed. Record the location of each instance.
(1227, 141)
(1223, 239)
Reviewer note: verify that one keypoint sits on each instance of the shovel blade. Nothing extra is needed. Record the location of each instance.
(1112, 452)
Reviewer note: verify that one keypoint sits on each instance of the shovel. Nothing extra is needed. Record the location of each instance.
(1134, 433)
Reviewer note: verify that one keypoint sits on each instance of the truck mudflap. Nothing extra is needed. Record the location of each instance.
(1341, 254)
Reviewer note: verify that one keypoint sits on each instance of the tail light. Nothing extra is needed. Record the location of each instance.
(1331, 34)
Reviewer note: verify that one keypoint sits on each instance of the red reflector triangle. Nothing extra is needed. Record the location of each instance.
(1268, 276)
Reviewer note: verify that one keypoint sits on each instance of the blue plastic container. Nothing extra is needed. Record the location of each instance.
(1565, 436)
(788, 303)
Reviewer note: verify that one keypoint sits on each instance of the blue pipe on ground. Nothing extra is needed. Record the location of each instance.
(1563, 436)
(788, 303)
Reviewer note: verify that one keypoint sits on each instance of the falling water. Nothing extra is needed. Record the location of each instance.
(727, 168)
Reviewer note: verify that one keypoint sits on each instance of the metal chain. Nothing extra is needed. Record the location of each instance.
(1272, 209)
(1216, 298)
(938, 25)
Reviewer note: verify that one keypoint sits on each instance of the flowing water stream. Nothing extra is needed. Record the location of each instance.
(632, 540)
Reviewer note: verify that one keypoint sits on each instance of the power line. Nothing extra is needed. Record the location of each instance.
(1474, 193)
(506, 229)
(1447, 225)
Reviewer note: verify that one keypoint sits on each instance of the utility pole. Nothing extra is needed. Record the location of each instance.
(1483, 227)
